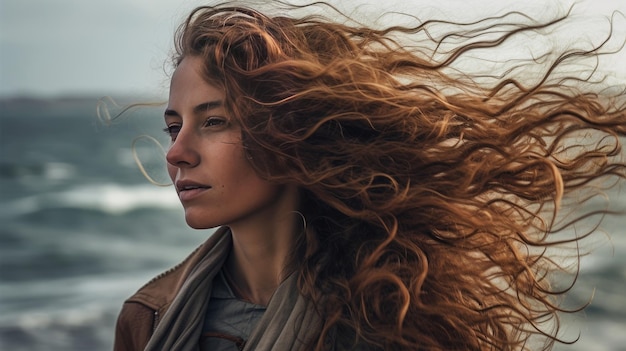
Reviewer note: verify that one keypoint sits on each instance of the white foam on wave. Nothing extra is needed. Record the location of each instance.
(110, 198)
(117, 199)
(58, 171)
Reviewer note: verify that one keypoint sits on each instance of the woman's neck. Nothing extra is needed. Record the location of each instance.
(262, 247)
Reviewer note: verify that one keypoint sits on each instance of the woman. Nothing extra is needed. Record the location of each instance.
(368, 197)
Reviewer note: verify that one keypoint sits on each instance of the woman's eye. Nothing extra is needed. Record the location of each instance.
(214, 121)
(172, 130)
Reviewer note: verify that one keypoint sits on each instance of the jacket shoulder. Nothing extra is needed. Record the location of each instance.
(140, 313)
(134, 327)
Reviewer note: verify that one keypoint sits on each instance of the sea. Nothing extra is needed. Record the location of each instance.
(83, 228)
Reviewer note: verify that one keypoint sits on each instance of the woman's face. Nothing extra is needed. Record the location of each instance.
(206, 160)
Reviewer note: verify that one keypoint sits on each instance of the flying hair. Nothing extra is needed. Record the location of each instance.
(432, 197)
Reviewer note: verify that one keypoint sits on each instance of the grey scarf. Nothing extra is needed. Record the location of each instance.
(289, 323)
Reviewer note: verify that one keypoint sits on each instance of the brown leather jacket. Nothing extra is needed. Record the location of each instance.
(141, 312)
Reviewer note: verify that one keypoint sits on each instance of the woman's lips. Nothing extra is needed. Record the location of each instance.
(188, 194)
(188, 190)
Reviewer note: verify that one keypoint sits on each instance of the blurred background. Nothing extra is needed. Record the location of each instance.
(82, 228)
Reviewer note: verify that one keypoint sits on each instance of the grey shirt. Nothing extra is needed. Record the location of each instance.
(228, 321)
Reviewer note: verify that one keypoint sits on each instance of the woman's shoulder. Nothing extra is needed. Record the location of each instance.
(141, 312)
(135, 325)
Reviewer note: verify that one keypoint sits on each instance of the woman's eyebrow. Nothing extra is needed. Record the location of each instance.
(203, 107)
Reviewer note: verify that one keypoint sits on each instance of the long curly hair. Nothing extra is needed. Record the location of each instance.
(431, 197)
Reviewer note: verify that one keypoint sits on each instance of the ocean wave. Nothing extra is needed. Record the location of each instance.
(64, 314)
(54, 171)
(113, 199)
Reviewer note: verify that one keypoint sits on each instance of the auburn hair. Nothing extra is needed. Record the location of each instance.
(431, 196)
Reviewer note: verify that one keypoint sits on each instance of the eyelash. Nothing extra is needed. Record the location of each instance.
(213, 120)
(171, 130)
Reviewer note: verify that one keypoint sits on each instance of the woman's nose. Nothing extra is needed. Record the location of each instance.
(183, 152)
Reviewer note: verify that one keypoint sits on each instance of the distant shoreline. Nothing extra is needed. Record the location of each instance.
(19, 105)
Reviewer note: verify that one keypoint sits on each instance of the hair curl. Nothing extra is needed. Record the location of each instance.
(431, 197)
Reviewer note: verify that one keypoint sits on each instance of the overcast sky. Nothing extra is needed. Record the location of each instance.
(60, 47)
